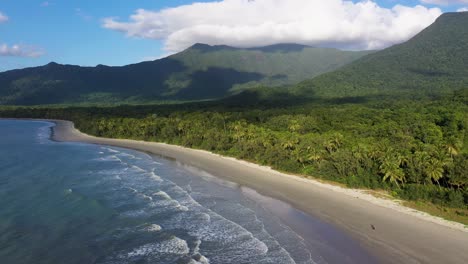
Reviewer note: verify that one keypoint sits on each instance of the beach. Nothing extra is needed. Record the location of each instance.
(391, 232)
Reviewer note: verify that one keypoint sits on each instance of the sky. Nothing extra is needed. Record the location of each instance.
(92, 32)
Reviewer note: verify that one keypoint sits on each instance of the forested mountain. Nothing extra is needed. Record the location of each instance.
(200, 72)
(433, 62)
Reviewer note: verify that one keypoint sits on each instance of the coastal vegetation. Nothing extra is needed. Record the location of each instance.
(415, 149)
(394, 120)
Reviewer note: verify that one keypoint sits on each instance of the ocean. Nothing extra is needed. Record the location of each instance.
(84, 203)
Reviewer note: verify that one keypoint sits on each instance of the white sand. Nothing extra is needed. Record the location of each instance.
(401, 235)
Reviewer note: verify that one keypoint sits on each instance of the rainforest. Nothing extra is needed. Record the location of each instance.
(414, 149)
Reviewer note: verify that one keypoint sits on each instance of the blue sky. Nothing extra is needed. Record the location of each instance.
(35, 32)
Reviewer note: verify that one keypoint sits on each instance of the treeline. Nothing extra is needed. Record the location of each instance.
(415, 149)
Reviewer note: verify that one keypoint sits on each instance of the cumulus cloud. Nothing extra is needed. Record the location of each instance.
(444, 2)
(463, 9)
(3, 18)
(248, 23)
(20, 51)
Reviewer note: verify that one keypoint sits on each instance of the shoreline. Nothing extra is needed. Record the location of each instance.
(401, 234)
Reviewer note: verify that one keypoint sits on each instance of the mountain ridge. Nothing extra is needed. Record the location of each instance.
(434, 61)
(199, 72)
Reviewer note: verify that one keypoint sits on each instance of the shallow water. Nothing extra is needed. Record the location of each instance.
(83, 203)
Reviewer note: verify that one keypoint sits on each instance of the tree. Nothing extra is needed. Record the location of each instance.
(434, 170)
(333, 142)
(457, 173)
(390, 168)
(238, 129)
(294, 126)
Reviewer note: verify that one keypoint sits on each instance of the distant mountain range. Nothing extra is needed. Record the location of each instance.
(432, 63)
(200, 72)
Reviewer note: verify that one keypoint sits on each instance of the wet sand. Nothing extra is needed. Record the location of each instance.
(391, 232)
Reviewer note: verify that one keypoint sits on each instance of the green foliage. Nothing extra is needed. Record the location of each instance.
(434, 62)
(416, 149)
(394, 120)
(200, 72)
(443, 196)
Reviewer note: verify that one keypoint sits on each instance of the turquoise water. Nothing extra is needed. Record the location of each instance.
(82, 203)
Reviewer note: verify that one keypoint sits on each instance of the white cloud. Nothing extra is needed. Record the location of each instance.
(247, 23)
(20, 51)
(3, 18)
(444, 2)
(463, 9)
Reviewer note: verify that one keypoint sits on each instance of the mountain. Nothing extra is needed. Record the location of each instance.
(432, 63)
(200, 72)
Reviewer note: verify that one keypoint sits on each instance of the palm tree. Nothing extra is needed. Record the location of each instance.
(453, 147)
(299, 155)
(294, 126)
(390, 168)
(334, 143)
(238, 128)
(290, 144)
(315, 156)
(434, 170)
(452, 150)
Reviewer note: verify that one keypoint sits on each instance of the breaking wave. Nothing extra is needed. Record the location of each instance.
(204, 234)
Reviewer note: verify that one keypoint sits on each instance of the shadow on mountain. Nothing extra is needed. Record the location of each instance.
(279, 77)
(281, 97)
(265, 98)
(282, 48)
(428, 73)
(348, 100)
(148, 78)
(216, 82)
(272, 48)
(56, 83)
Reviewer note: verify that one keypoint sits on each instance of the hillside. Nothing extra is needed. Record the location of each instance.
(433, 62)
(200, 72)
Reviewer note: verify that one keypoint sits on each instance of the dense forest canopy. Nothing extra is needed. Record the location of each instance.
(416, 149)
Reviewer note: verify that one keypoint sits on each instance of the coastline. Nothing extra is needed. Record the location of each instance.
(401, 235)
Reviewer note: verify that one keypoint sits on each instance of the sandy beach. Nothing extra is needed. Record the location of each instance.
(400, 234)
